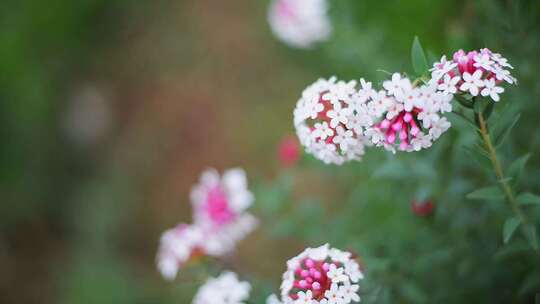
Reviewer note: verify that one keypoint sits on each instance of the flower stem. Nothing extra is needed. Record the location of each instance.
(503, 181)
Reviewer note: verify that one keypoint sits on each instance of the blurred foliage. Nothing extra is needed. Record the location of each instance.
(455, 256)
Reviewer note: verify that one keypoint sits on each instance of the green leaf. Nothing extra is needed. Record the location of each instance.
(487, 193)
(510, 226)
(516, 168)
(500, 137)
(528, 198)
(419, 61)
(530, 234)
(479, 157)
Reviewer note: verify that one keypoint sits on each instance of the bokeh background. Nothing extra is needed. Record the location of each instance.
(111, 109)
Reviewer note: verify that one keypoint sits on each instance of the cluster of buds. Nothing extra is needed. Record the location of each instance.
(226, 288)
(320, 275)
(300, 23)
(220, 221)
(475, 73)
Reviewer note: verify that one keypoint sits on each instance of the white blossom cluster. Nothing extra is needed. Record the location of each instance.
(300, 23)
(408, 118)
(330, 120)
(335, 120)
(220, 221)
(320, 275)
(475, 73)
(225, 289)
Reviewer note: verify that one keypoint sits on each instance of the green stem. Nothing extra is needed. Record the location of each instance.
(503, 181)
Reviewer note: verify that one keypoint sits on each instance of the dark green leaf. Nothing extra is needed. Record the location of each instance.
(516, 168)
(528, 198)
(419, 61)
(510, 226)
(479, 157)
(464, 118)
(500, 137)
(530, 234)
(487, 193)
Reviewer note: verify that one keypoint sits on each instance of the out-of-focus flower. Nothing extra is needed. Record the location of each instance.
(330, 120)
(422, 209)
(476, 73)
(177, 246)
(300, 23)
(219, 209)
(220, 221)
(225, 289)
(289, 151)
(321, 275)
(408, 117)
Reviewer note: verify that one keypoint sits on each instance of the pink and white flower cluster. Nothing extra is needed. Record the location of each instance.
(300, 23)
(408, 118)
(220, 221)
(475, 73)
(225, 289)
(335, 120)
(330, 120)
(320, 275)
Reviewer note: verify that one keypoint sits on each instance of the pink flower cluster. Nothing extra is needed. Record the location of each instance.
(336, 120)
(320, 275)
(220, 221)
(475, 73)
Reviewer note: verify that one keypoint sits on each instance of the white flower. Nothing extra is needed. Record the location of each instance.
(304, 298)
(352, 269)
(349, 292)
(441, 68)
(411, 99)
(492, 90)
(472, 83)
(333, 295)
(340, 256)
(376, 135)
(449, 84)
(337, 274)
(175, 248)
(225, 289)
(322, 130)
(380, 103)
(428, 116)
(397, 85)
(338, 115)
(344, 138)
(421, 142)
(300, 23)
(440, 126)
(483, 61)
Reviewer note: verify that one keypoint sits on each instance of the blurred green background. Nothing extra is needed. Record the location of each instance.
(111, 109)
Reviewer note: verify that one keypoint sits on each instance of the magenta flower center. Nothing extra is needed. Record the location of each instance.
(311, 275)
(217, 206)
(402, 128)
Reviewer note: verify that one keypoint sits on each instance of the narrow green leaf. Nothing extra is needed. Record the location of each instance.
(478, 106)
(510, 226)
(419, 61)
(516, 168)
(487, 193)
(530, 234)
(528, 198)
(488, 110)
(479, 157)
(499, 138)
(465, 118)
